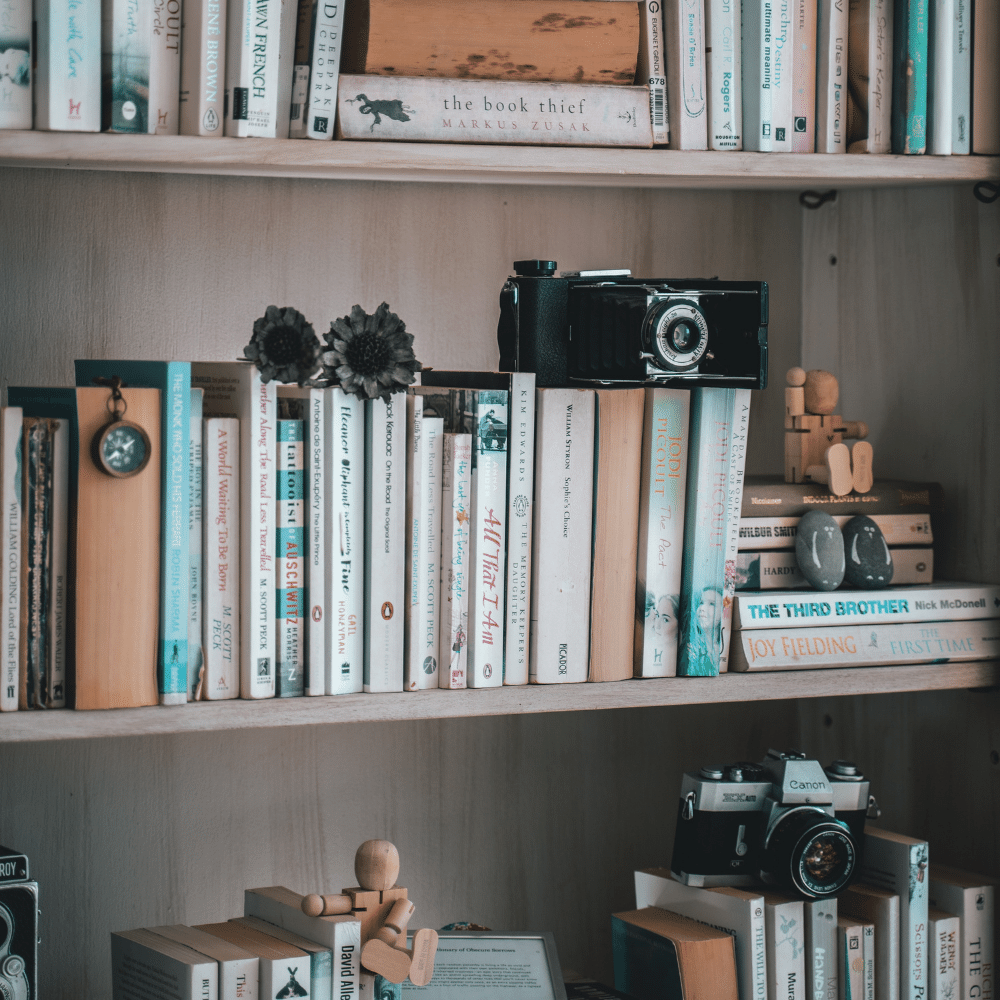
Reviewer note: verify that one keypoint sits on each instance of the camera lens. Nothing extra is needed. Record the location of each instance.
(682, 334)
(810, 851)
(676, 333)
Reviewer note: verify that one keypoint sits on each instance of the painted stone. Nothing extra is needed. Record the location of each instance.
(819, 550)
(869, 561)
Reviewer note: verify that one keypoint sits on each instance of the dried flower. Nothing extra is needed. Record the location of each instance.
(371, 356)
(284, 346)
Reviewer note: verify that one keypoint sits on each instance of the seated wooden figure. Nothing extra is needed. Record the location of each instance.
(814, 435)
(384, 911)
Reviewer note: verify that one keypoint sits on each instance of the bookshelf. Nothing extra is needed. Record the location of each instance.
(517, 809)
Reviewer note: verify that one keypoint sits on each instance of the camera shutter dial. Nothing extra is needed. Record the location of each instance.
(677, 334)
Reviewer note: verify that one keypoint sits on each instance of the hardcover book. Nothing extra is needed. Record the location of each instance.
(724, 69)
(68, 70)
(10, 574)
(173, 380)
(831, 76)
(771, 496)
(684, 33)
(561, 552)
(235, 389)
(16, 68)
(156, 968)
(734, 500)
(203, 68)
(651, 70)
(869, 76)
(237, 967)
(909, 76)
(880, 909)
(290, 553)
(779, 532)
(780, 570)
(985, 78)
(196, 506)
(456, 488)
(426, 109)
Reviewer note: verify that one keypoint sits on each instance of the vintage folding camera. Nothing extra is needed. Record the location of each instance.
(18, 928)
(786, 821)
(608, 328)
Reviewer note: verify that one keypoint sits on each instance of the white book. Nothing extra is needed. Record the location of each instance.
(290, 551)
(16, 70)
(724, 68)
(736, 911)
(196, 598)
(235, 389)
(311, 408)
(237, 967)
(259, 57)
(778, 569)
(898, 863)
(385, 542)
(341, 934)
(456, 489)
(279, 963)
(487, 586)
(221, 618)
(944, 933)
(416, 461)
(562, 544)
(684, 34)
(345, 520)
(783, 76)
(325, 44)
(320, 970)
(141, 65)
(961, 84)
(851, 957)
(820, 917)
(779, 532)
(203, 67)
(941, 77)
(734, 501)
(973, 898)
(804, 77)
(300, 96)
(831, 76)
(144, 964)
(784, 929)
(651, 69)
(757, 45)
(662, 492)
(869, 76)
(880, 909)
(10, 577)
(58, 613)
(68, 77)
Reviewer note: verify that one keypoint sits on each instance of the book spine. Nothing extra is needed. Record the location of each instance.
(456, 487)
(324, 68)
(760, 533)
(68, 78)
(869, 59)
(961, 83)
(196, 599)
(734, 500)
(783, 77)
(385, 541)
(433, 109)
(650, 69)
(850, 953)
(705, 534)
(909, 77)
(58, 595)
(136, 959)
(221, 639)
(165, 68)
(831, 76)
(416, 472)
(290, 560)
(724, 65)
(869, 958)
(779, 570)
(520, 493)
(300, 70)
(203, 68)
(804, 77)
(487, 604)
(126, 42)
(17, 52)
(10, 576)
(864, 645)
(564, 517)
(975, 906)
(785, 935)
(314, 454)
(662, 496)
(780, 499)
(941, 77)
(985, 77)
(820, 918)
(684, 34)
(345, 520)
(757, 31)
(944, 935)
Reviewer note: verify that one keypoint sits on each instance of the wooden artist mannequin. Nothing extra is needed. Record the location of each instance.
(814, 434)
(384, 911)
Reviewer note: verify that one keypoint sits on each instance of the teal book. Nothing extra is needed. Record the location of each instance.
(909, 76)
(173, 379)
(290, 557)
(703, 572)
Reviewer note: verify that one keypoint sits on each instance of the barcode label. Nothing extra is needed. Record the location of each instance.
(656, 107)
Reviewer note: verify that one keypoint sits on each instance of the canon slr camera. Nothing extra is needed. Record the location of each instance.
(787, 821)
(608, 328)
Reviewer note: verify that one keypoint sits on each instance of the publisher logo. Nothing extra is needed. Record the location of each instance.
(779, 135)
(241, 102)
(430, 665)
(129, 110)
(264, 666)
(211, 120)
(487, 670)
(321, 125)
(520, 505)
(317, 614)
(766, 129)
(800, 124)
(387, 611)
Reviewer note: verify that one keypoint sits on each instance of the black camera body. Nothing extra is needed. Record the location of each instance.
(786, 821)
(608, 328)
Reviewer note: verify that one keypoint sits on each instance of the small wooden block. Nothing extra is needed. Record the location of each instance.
(363, 899)
(861, 466)
(838, 467)
(425, 942)
(390, 963)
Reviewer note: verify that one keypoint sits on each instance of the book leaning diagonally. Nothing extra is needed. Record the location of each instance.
(427, 109)
(10, 568)
(235, 389)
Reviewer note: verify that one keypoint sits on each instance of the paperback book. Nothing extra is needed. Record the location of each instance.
(290, 554)
(203, 68)
(16, 69)
(831, 76)
(684, 33)
(10, 574)
(820, 925)
(724, 71)
(779, 532)
(784, 932)
(878, 908)
(940, 76)
(851, 957)
(650, 69)
(779, 570)
(317, 976)
(151, 966)
(943, 932)
(237, 967)
(456, 487)
(909, 76)
(734, 499)
(68, 70)
(961, 113)
(804, 77)
(196, 590)
(58, 589)
(278, 962)
(869, 76)
(321, 51)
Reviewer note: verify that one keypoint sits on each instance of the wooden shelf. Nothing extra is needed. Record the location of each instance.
(26, 727)
(395, 161)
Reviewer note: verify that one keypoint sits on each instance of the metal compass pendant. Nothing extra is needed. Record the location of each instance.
(120, 448)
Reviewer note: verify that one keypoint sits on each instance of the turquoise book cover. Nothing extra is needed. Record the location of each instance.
(290, 563)
(173, 379)
(703, 572)
(909, 76)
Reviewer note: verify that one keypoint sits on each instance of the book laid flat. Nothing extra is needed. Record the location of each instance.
(771, 496)
(779, 532)
(428, 109)
(779, 570)
(117, 562)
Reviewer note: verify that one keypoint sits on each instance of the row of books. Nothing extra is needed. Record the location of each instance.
(875, 76)
(906, 929)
